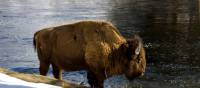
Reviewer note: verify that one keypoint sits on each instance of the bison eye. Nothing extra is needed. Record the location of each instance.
(138, 60)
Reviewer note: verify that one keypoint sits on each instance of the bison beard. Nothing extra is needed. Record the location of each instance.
(94, 46)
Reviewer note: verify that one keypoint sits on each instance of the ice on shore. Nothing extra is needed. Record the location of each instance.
(7, 81)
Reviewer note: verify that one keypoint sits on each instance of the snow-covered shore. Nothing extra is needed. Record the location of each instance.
(11, 79)
(7, 81)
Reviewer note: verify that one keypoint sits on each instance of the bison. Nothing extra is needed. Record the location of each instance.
(94, 46)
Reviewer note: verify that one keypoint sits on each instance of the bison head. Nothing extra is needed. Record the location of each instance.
(135, 54)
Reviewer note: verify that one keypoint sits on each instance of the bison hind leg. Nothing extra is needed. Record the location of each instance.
(57, 72)
(44, 67)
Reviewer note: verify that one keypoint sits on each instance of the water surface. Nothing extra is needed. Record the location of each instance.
(170, 31)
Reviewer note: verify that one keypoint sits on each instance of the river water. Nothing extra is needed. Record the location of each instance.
(170, 30)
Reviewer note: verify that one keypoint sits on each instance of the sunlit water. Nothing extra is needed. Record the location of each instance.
(169, 29)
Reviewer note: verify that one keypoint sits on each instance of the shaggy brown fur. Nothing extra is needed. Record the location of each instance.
(94, 46)
(39, 79)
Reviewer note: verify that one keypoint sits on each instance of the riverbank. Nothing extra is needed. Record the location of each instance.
(39, 79)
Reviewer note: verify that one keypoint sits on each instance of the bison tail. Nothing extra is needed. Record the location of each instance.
(34, 41)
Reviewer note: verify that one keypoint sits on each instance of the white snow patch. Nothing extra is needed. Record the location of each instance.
(11, 82)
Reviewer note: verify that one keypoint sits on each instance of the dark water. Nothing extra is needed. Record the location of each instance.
(170, 30)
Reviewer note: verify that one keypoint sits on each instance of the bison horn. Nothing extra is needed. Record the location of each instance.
(137, 50)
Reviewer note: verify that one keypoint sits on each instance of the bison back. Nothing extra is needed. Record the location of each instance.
(84, 42)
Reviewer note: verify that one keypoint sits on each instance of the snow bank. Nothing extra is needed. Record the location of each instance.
(11, 82)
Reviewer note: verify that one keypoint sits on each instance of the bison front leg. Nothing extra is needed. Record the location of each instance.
(57, 72)
(91, 79)
(94, 80)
